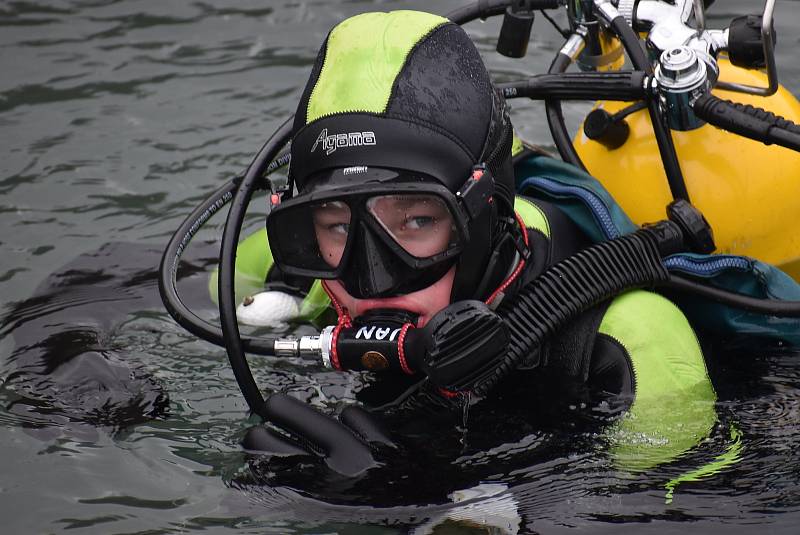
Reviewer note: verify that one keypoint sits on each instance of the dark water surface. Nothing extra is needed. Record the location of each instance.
(116, 118)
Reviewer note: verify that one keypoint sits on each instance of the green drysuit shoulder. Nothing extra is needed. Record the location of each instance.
(253, 262)
(532, 216)
(673, 407)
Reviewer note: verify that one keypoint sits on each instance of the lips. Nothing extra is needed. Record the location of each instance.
(358, 307)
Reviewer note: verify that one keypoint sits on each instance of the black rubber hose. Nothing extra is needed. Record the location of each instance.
(227, 259)
(771, 307)
(748, 121)
(572, 286)
(479, 10)
(631, 43)
(168, 269)
(555, 118)
(666, 147)
(483, 9)
(594, 275)
(625, 86)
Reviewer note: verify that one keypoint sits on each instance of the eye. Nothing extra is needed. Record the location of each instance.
(338, 228)
(419, 222)
(332, 218)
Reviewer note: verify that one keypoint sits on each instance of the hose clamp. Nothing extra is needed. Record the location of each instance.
(626, 8)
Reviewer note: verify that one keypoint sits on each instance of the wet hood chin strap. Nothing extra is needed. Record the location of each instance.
(500, 267)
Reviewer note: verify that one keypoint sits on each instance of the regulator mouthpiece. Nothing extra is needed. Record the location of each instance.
(459, 349)
(376, 342)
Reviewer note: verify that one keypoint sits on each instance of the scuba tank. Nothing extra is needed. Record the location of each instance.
(745, 189)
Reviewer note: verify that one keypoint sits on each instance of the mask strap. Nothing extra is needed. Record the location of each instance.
(449, 394)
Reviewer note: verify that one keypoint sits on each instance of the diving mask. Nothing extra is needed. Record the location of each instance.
(380, 232)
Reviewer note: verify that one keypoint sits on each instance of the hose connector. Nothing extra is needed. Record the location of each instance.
(310, 346)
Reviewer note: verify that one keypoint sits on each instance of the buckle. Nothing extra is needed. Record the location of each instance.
(275, 194)
(477, 191)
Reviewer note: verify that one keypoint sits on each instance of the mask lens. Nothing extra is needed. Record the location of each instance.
(421, 224)
(310, 236)
(331, 222)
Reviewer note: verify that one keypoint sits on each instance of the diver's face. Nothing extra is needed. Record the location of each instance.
(419, 224)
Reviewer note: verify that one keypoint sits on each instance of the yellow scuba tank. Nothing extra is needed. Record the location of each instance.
(747, 191)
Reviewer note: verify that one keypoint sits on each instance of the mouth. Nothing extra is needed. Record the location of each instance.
(359, 307)
(365, 306)
(401, 303)
(425, 303)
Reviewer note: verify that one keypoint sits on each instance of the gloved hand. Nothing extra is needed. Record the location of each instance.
(462, 346)
(347, 444)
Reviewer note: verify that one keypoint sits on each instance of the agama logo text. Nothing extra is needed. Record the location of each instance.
(338, 141)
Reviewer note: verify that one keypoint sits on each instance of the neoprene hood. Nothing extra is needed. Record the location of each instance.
(408, 90)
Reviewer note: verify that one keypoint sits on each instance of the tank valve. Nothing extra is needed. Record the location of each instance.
(681, 78)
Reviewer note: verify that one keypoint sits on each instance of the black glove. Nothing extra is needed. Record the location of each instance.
(347, 444)
(462, 345)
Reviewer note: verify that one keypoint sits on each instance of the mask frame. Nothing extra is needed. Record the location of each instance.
(369, 246)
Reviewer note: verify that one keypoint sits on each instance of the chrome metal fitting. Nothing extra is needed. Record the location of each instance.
(682, 78)
(310, 346)
(314, 346)
(286, 347)
(680, 69)
(326, 344)
(575, 43)
(668, 21)
(605, 11)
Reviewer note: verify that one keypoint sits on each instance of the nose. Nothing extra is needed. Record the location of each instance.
(376, 270)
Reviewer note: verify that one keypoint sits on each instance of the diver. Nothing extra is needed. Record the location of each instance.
(405, 210)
